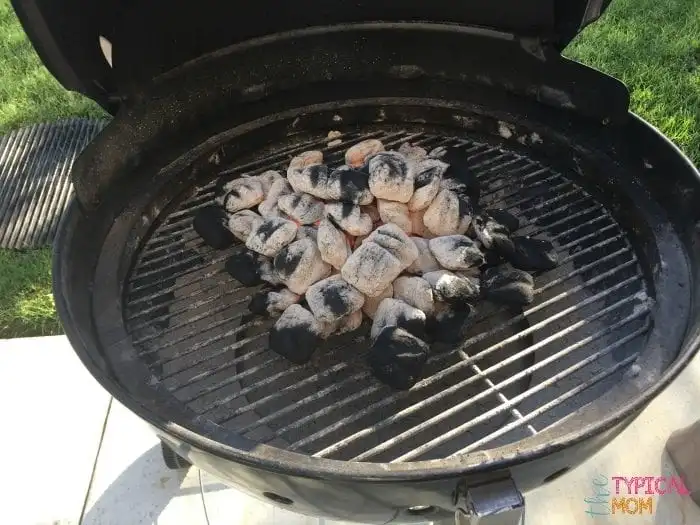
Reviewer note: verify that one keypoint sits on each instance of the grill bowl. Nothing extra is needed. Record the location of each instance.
(530, 392)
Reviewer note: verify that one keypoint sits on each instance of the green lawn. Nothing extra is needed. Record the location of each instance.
(653, 46)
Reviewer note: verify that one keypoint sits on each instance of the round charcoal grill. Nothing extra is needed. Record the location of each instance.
(189, 321)
(527, 394)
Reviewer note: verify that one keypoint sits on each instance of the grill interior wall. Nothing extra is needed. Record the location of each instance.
(518, 371)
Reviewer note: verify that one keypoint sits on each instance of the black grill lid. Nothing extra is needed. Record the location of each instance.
(149, 38)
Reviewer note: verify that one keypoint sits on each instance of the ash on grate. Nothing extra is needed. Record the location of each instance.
(396, 238)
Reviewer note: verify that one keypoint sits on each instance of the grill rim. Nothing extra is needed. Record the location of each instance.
(297, 463)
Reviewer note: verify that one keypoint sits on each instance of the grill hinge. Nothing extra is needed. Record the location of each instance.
(494, 503)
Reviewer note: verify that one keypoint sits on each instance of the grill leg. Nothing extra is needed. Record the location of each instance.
(497, 503)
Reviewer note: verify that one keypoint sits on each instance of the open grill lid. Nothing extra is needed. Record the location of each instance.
(149, 38)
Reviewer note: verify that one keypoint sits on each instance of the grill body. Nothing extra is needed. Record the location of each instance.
(529, 393)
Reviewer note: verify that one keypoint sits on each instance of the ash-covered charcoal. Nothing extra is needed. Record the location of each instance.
(307, 232)
(348, 184)
(371, 268)
(272, 302)
(211, 224)
(333, 298)
(392, 312)
(416, 292)
(456, 252)
(241, 194)
(242, 223)
(411, 152)
(459, 170)
(301, 207)
(507, 285)
(395, 213)
(269, 205)
(450, 212)
(304, 160)
(394, 240)
(267, 180)
(333, 244)
(245, 267)
(426, 261)
(296, 335)
(271, 235)
(397, 357)
(391, 177)
(492, 234)
(426, 185)
(449, 325)
(372, 303)
(312, 180)
(267, 271)
(349, 218)
(299, 265)
(532, 254)
(357, 155)
(453, 289)
(505, 218)
(349, 323)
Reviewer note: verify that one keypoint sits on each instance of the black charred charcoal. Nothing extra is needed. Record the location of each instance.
(333, 298)
(349, 218)
(507, 285)
(296, 335)
(349, 185)
(492, 258)
(210, 224)
(493, 235)
(391, 177)
(449, 325)
(397, 357)
(505, 218)
(245, 268)
(455, 290)
(532, 254)
(272, 302)
(456, 252)
(392, 312)
(459, 170)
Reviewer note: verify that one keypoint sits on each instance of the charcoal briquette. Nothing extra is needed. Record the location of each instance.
(296, 335)
(412, 152)
(244, 267)
(416, 292)
(211, 224)
(449, 325)
(505, 218)
(459, 170)
(372, 303)
(349, 217)
(371, 269)
(492, 234)
(532, 254)
(348, 184)
(299, 265)
(397, 357)
(391, 177)
(243, 222)
(301, 207)
(241, 194)
(333, 244)
(393, 312)
(395, 213)
(426, 185)
(453, 289)
(507, 285)
(269, 205)
(357, 155)
(456, 252)
(426, 261)
(271, 235)
(394, 240)
(333, 298)
(449, 213)
(272, 302)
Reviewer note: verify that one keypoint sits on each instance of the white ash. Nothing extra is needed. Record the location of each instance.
(357, 155)
(416, 292)
(271, 235)
(396, 242)
(412, 152)
(307, 232)
(242, 223)
(333, 244)
(391, 177)
(333, 298)
(304, 160)
(312, 180)
(372, 303)
(241, 194)
(301, 207)
(349, 218)
(395, 213)
(299, 265)
(456, 252)
(426, 185)
(279, 187)
(452, 289)
(426, 261)
(267, 180)
(371, 269)
(392, 312)
(449, 213)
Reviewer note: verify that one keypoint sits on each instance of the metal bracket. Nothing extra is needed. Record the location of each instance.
(495, 503)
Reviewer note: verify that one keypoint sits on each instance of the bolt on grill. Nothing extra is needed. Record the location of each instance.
(516, 373)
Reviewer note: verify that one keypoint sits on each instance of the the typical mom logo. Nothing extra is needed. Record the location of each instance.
(630, 495)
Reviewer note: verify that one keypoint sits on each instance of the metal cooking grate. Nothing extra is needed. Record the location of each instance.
(518, 371)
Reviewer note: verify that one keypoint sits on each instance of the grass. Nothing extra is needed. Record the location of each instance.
(652, 46)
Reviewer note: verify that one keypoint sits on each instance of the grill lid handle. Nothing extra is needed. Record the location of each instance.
(494, 503)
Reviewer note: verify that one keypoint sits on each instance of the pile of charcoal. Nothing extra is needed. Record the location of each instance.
(397, 237)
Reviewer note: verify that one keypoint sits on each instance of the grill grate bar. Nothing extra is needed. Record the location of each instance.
(513, 402)
(460, 365)
(564, 397)
(454, 388)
